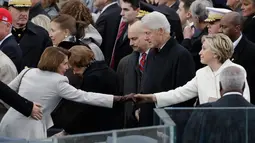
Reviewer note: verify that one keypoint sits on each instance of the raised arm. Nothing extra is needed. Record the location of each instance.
(68, 92)
(171, 97)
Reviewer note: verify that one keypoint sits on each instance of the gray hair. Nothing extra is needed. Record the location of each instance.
(156, 20)
(233, 78)
(42, 21)
(198, 9)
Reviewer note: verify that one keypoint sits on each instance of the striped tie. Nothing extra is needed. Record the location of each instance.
(142, 62)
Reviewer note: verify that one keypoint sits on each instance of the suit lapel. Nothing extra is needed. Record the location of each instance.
(238, 50)
(122, 38)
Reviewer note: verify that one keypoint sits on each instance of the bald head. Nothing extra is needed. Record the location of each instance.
(233, 18)
(136, 37)
(231, 25)
(136, 27)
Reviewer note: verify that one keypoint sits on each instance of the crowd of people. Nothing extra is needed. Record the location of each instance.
(84, 66)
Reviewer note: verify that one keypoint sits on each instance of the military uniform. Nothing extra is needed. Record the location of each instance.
(32, 39)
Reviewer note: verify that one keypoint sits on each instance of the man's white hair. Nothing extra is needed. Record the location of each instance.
(156, 20)
(233, 78)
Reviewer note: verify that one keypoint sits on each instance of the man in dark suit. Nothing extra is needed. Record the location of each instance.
(231, 25)
(130, 69)
(37, 9)
(224, 125)
(31, 38)
(8, 44)
(107, 25)
(169, 66)
(19, 103)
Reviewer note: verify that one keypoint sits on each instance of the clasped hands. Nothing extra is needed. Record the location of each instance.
(137, 98)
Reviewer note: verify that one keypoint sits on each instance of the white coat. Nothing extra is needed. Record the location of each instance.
(204, 85)
(46, 88)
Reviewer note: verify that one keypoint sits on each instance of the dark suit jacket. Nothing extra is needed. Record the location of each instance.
(130, 82)
(244, 56)
(170, 68)
(249, 29)
(32, 44)
(210, 125)
(14, 100)
(83, 118)
(194, 45)
(107, 25)
(175, 6)
(36, 10)
(11, 48)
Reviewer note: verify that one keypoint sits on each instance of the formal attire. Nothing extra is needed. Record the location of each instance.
(17, 102)
(130, 70)
(11, 48)
(121, 47)
(231, 123)
(8, 70)
(83, 118)
(166, 69)
(107, 25)
(36, 10)
(31, 51)
(244, 51)
(248, 28)
(204, 85)
(48, 92)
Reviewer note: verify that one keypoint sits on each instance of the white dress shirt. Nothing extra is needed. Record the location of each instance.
(237, 41)
(10, 34)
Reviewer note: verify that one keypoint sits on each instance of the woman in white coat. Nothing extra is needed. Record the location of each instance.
(215, 53)
(47, 85)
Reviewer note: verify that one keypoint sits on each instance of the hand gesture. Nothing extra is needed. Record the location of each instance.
(144, 98)
(120, 99)
(188, 32)
(36, 111)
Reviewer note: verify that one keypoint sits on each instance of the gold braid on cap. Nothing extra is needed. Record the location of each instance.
(213, 17)
(20, 3)
(142, 13)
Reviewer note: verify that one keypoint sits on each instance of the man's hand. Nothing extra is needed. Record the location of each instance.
(144, 98)
(37, 112)
(137, 114)
(188, 32)
(120, 99)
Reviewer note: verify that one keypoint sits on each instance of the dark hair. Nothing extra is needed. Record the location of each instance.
(51, 58)
(134, 3)
(187, 4)
(65, 21)
(78, 10)
(81, 56)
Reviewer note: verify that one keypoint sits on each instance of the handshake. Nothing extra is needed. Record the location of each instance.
(137, 98)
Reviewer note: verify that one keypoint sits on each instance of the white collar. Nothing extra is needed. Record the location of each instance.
(147, 52)
(10, 34)
(237, 41)
(231, 93)
(108, 5)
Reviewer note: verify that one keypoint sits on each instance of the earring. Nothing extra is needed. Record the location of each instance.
(66, 36)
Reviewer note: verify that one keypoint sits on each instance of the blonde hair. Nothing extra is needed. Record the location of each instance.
(43, 21)
(220, 45)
